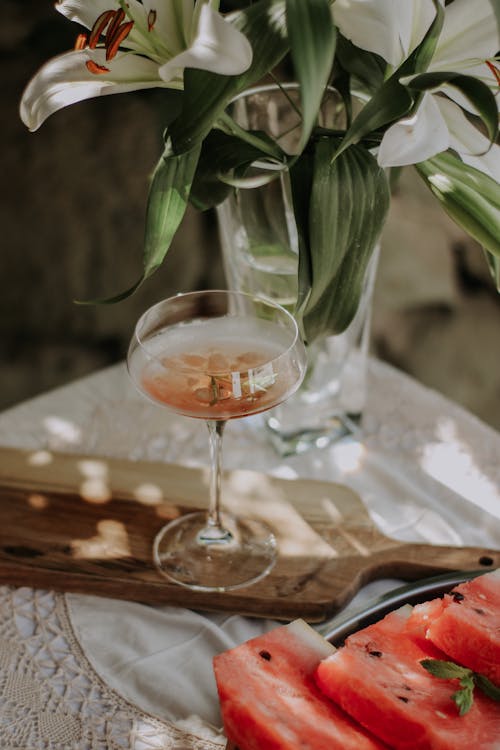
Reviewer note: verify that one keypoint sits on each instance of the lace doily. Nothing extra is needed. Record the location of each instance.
(51, 698)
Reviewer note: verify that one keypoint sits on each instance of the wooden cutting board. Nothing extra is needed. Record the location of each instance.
(86, 524)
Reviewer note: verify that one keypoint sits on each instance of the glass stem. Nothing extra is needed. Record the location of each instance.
(214, 531)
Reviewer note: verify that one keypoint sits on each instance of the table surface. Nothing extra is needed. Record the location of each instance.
(85, 672)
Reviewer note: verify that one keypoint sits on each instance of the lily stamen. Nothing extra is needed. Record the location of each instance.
(99, 26)
(81, 42)
(118, 17)
(120, 34)
(110, 23)
(494, 70)
(151, 20)
(96, 69)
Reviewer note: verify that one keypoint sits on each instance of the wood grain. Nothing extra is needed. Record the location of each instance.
(86, 524)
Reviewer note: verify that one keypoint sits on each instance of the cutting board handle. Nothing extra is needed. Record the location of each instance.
(413, 561)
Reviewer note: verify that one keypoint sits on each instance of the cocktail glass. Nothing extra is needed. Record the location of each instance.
(216, 355)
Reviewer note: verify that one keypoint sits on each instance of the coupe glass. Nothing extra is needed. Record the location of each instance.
(216, 355)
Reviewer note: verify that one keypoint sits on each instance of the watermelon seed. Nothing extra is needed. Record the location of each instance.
(403, 698)
(457, 596)
(265, 655)
(378, 654)
(478, 610)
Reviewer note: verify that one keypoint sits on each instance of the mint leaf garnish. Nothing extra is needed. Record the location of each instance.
(214, 387)
(488, 688)
(468, 680)
(445, 670)
(464, 697)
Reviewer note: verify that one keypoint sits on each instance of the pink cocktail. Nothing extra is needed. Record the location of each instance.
(216, 355)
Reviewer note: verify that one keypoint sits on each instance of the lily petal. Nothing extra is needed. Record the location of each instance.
(390, 28)
(85, 12)
(65, 80)
(416, 138)
(472, 146)
(218, 47)
(471, 32)
(169, 22)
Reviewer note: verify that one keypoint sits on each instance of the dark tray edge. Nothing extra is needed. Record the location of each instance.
(337, 629)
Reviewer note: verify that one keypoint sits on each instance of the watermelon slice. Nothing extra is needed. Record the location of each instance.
(377, 678)
(269, 700)
(468, 627)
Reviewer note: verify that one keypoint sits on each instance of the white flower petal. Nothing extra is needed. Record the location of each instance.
(473, 147)
(65, 80)
(416, 138)
(169, 24)
(85, 12)
(390, 28)
(217, 47)
(471, 31)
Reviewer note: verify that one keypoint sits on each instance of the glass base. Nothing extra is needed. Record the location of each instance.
(291, 440)
(190, 553)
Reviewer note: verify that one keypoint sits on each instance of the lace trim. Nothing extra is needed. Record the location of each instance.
(52, 699)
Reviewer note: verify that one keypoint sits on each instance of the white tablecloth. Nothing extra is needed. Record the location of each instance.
(86, 672)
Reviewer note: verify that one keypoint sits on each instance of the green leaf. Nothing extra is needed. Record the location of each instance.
(312, 38)
(260, 140)
(449, 164)
(470, 197)
(487, 686)
(448, 670)
(422, 55)
(493, 262)
(346, 205)
(255, 180)
(366, 67)
(301, 181)
(167, 202)
(468, 680)
(207, 94)
(445, 670)
(221, 153)
(464, 698)
(393, 100)
(477, 92)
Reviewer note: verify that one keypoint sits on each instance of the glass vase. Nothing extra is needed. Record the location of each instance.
(259, 246)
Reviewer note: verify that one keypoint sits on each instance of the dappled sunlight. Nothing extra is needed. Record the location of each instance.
(337, 517)
(110, 542)
(449, 461)
(248, 494)
(95, 487)
(259, 495)
(38, 501)
(148, 493)
(62, 429)
(349, 456)
(40, 458)
(95, 490)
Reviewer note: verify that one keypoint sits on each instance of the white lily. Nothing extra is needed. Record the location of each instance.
(470, 37)
(390, 28)
(134, 45)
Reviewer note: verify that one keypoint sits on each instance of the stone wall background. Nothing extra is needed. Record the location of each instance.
(72, 200)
